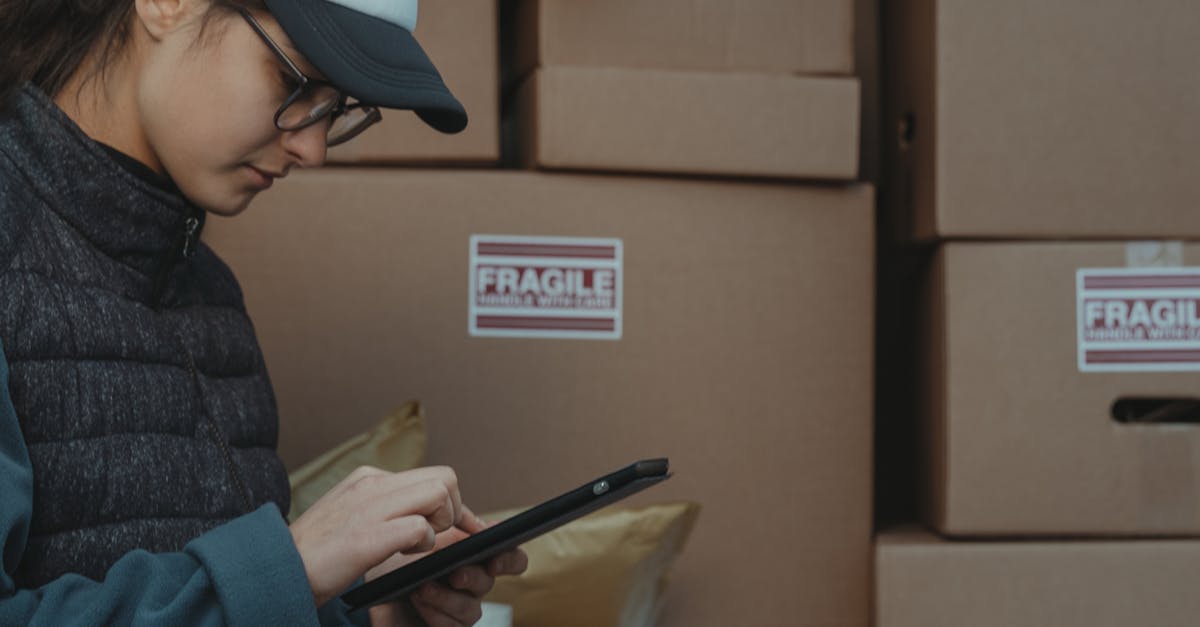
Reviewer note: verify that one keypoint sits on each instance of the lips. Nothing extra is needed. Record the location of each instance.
(263, 178)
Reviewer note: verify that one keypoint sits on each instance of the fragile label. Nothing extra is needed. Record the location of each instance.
(1138, 319)
(545, 287)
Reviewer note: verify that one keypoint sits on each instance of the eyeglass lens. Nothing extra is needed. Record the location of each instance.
(350, 123)
(307, 106)
(314, 100)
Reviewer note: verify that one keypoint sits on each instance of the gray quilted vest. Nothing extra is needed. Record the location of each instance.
(137, 379)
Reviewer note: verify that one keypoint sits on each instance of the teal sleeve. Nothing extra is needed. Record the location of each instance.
(245, 572)
(335, 614)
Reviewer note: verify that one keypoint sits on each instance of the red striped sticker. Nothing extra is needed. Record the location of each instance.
(1138, 319)
(545, 287)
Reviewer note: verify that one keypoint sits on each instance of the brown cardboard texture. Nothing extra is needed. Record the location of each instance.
(924, 581)
(745, 356)
(690, 123)
(461, 39)
(1033, 119)
(770, 36)
(1021, 439)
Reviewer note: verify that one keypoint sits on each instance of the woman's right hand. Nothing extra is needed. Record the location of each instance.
(370, 516)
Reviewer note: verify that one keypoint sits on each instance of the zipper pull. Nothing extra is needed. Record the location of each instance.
(185, 249)
(191, 230)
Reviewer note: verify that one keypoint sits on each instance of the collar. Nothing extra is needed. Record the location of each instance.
(140, 170)
(141, 225)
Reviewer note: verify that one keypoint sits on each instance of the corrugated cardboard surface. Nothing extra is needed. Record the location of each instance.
(1020, 441)
(460, 37)
(746, 358)
(1066, 119)
(778, 36)
(690, 123)
(923, 581)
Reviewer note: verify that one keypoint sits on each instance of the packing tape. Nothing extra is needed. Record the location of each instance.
(1154, 254)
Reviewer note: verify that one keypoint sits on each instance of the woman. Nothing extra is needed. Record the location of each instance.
(138, 478)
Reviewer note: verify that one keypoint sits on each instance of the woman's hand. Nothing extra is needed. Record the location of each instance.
(371, 516)
(458, 604)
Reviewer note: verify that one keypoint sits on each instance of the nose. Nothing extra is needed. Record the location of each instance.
(307, 145)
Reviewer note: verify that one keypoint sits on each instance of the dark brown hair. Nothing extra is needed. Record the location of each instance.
(46, 42)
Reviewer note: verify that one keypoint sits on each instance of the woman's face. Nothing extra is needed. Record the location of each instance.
(207, 108)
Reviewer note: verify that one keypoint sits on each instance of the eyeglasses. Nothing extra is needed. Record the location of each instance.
(313, 99)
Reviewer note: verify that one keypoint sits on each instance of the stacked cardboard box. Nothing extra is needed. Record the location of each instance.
(1038, 145)
(740, 348)
(925, 581)
(556, 325)
(758, 88)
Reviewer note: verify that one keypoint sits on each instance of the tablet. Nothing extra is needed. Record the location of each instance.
(511, 533)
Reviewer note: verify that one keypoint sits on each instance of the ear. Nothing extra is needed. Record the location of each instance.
(161, 17)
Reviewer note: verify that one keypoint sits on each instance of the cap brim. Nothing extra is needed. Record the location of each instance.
(375, 62)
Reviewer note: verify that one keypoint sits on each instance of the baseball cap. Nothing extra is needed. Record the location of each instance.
(367, 49)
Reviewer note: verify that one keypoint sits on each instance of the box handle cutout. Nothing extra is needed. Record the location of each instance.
(1152, 410)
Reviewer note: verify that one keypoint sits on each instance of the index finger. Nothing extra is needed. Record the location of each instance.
(471, 523)
(444, 474)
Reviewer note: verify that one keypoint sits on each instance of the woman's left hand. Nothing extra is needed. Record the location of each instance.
(458, 601)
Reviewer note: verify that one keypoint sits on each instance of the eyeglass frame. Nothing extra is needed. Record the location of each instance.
(373, 114)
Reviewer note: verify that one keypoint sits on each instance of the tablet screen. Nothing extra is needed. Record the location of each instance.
(511, 533)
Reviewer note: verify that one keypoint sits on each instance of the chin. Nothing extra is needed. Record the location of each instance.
(234, 209)
(229, 204)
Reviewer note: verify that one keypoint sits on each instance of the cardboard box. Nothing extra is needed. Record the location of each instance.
(867, 52)
(1033, 119)
(689, 123)
(1035, 370)
(744, 355)
(924, 581)
(770, 36)
(461, 39)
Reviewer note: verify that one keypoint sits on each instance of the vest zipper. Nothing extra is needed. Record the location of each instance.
(184, 249)
(191, 232)
(181, 251)
(214, 432)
